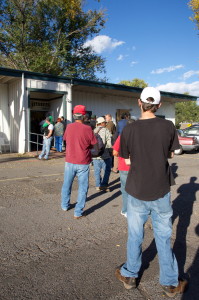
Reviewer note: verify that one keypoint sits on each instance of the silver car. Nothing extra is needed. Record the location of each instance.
(192, 131)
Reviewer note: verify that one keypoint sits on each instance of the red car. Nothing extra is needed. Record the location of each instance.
(186, 143)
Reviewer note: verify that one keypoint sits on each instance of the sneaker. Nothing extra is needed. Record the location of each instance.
(65, 209)
(172, 291)
(97, 188)
(124, 214)
(129, 282)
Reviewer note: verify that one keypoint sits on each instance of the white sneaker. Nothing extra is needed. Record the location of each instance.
(124, 214)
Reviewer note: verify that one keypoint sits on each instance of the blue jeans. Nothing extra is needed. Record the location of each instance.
(82, 173)
(58, 143)
(46, 148)
(123, 178)
(137, 214)
(99, 165)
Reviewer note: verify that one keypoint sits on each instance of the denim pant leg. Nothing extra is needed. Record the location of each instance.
(97, 163)
(123, 178)
(48, 144)
(43, 149)
(60, 143)
(161, 213)
(137, 216)
(83, 181)
(57, 143)
(69, 175)
(106, 165)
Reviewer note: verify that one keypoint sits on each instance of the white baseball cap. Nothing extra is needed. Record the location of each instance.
(100, 120)
(150, 92)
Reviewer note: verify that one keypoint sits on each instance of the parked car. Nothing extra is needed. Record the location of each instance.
(186, 143)
(192, 131)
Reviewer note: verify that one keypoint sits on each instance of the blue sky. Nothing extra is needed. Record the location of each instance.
(153, 40)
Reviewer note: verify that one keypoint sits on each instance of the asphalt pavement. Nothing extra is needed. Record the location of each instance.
(46, 254)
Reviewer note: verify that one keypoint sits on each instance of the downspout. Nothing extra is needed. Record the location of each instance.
(22, 127)
(69, 103)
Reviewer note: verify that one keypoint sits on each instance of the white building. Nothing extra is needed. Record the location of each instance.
(26, 97)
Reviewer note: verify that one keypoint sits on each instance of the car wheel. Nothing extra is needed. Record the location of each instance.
(178, 151)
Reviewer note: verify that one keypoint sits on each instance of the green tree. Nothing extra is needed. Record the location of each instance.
(48, 36)
(136, 82)
(186, 112)
(194, 5)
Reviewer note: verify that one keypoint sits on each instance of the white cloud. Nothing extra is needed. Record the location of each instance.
(103, 43)
(133, 63)
(190, 74)
(120, 57)
(168, 69)
(181, 87)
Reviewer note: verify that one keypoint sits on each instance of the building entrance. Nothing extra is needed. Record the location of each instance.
(36, 118)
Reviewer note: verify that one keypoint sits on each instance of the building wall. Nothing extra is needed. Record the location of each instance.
(15, 113)
(12, 104)
(47, 85)
(56, 106)
(101, 104)
(4, 112)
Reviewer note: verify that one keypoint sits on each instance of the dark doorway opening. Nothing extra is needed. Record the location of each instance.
(35, 123)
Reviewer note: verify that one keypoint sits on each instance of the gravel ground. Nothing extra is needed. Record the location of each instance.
(46, 254)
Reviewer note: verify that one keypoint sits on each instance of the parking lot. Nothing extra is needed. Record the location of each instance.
(46, 254)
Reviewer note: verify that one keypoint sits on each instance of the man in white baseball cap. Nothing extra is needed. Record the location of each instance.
(150, 92)
(104, 160)
(148, 143)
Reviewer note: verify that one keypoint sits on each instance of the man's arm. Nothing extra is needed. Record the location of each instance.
(49, 134)
(175, 142)
(115, 153)
(171, 154)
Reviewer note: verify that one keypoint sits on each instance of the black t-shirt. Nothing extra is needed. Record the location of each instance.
(148, 143)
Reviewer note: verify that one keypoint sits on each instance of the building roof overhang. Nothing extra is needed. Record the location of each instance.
(7, 76)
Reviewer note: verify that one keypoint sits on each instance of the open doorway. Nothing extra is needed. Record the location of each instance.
(36, 117)
(42, 104)
(119, 113)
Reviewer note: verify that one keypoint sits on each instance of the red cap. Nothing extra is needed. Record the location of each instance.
(79, 109)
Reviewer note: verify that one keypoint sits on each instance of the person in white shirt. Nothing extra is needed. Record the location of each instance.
(47, 138)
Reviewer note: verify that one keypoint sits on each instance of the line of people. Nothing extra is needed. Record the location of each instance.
(50, 131)
(144, 146)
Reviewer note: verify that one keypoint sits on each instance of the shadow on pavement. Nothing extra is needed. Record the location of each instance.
(114, 181)
(102, 203)
(193, 291)
(183, 209)
(112, 188)
(11, 157)
(15, 158)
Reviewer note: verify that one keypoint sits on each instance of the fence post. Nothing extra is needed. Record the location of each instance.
(37, 143)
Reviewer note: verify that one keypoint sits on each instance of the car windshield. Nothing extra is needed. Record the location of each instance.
(181, 133)
(191, 130)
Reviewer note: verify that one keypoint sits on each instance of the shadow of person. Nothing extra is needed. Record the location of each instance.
(93, 196)
(102, 203)
(183, 209)
(193, 291)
